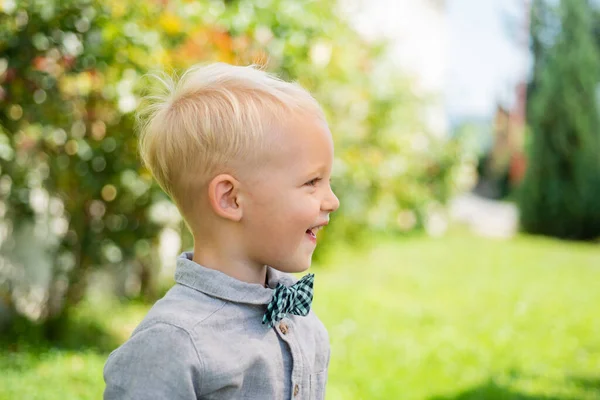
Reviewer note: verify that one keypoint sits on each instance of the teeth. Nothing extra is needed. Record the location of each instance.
(314, 230)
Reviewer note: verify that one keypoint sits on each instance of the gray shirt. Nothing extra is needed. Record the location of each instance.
(205, 340)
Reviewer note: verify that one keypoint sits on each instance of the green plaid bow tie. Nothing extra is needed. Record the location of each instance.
(295, 299)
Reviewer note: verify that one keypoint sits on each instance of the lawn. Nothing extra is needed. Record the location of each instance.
(455, 318)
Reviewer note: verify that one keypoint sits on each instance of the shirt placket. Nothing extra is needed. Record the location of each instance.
(287, 332)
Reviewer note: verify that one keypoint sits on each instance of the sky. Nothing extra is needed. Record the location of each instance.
(468, 51)
(485, 58)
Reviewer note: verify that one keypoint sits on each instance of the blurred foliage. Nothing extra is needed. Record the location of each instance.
(390, 172)
(67, 152)
(561, 188)
(69, 74)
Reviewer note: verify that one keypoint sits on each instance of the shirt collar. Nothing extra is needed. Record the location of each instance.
(217, 284)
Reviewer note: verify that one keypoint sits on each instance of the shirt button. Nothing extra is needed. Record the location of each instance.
(296, 390)
(283, 328)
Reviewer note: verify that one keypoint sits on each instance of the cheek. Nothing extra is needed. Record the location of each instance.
(267, 214)
(282, 210)
(305, 210)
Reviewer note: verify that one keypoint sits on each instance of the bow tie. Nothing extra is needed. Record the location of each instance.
(295, 299)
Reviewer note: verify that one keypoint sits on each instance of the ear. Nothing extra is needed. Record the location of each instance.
(223, 193)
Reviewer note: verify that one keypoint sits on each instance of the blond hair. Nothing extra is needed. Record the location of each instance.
(194, 127)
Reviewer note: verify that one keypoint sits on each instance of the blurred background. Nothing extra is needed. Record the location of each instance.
(464, 262)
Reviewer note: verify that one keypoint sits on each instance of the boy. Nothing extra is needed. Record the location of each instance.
(247, 158)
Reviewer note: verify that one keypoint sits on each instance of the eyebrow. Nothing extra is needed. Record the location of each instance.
(318, 170)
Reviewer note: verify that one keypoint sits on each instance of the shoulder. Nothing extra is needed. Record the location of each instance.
(159, 359)
(149, 340)
(182, 307)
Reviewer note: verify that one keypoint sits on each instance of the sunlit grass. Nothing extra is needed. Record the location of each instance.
(73, 370)
(464, 318)
(454, 318)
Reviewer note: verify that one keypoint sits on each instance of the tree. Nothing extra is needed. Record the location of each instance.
(596, 22)
(562, 184)
(71, 179)
(390, 169)
(69, 168)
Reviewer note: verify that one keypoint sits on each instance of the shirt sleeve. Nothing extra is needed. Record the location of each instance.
(159, 362)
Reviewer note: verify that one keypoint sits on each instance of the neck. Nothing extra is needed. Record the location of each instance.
(225, 261)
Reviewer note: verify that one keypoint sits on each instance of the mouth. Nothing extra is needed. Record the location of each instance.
(312, 232)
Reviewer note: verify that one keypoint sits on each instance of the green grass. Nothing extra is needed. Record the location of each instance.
(456, 318)
(464, 318)
(71, 369)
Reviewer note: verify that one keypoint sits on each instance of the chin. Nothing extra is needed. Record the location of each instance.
(301, 269)
(293, 267)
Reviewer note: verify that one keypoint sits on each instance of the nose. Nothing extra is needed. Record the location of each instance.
(330, 202)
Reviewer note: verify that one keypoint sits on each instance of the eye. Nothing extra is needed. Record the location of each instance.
(313, 182)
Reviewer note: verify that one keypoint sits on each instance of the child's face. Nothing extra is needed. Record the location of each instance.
(289, 196)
